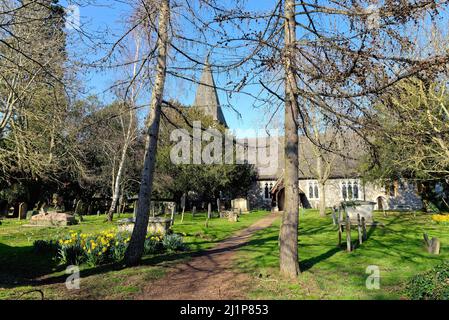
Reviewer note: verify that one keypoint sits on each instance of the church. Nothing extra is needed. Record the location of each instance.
(344, 181)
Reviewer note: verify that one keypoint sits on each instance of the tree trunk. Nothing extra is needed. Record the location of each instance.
(289, 265)
(118, 178)
(322, 199)
(135, 249)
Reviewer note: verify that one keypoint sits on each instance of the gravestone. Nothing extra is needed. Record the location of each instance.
(23, 210)
(209, 213)
(156, 225)
(135, 208)
(432, 246)
(53, 219)
(193, 211)
(183, 206)
(240, 204)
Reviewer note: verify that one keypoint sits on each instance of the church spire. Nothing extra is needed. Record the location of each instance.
(206, 95)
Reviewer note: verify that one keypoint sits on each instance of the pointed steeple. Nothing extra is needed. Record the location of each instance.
(206, 95)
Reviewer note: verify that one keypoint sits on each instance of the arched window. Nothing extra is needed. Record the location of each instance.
(266, 191)
(316, 191)
(344, 193)
(310, 191)
(350, 191)
(355, 189)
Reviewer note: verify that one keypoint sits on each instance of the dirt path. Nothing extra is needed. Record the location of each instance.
(210, 275)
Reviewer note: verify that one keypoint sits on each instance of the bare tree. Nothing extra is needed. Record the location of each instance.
(135, 249)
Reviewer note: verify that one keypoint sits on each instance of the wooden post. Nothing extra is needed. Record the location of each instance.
(365, 236)
(348, 234)
(340, 226)
(359, 229)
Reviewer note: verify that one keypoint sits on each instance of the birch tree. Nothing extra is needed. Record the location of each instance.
(135, 249)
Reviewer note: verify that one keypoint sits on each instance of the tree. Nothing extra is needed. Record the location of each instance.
(410, 135)
(203, 182)
(288, 238)
(135, 248)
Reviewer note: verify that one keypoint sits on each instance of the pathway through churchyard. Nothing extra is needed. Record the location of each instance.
(210, 275)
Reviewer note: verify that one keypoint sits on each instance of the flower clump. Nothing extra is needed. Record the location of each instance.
(110, 246)
(440, 218)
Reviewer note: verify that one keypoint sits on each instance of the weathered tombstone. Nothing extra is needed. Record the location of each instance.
(23, 210)
(432, 246)
(158, 225)
(183, 206)
(79, 210)
(209, 212)
(135, 208)
(240, 204)
(218, 206)
(53, 219)
(172, 218)
(193, 211)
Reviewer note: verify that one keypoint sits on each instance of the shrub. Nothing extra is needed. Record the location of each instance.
(430, 285)
(119, 246)
(153, 244)
(440, 218)
(70, 249)
(173, 242)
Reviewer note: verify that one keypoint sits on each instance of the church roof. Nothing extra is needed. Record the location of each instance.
(345, 164)
(206, 95)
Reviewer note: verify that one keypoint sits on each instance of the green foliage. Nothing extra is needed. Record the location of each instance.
(202, 182)
(430, 285)
(173, 242)
(153, 244)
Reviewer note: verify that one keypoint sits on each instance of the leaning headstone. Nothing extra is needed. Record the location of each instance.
(79, 207)
(23, 210)
(432, 246)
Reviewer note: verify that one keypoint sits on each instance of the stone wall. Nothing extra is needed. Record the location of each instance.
(406, 194)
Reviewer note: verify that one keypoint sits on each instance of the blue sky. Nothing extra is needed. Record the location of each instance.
(108, 15)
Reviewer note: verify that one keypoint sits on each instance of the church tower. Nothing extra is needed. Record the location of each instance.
(206, 95)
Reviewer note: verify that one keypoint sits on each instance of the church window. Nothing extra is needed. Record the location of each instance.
(316, 191)
(310, 191)
(344, 191)
(350, 194)
(355, 189)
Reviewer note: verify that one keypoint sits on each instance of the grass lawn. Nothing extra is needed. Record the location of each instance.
(329, 272)
(22, 270)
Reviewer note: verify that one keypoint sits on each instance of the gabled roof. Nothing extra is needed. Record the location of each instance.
(206, 95)
(345, 164)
